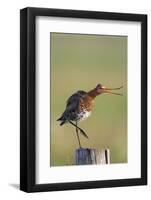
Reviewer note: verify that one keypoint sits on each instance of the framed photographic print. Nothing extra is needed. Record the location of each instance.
(83, 99)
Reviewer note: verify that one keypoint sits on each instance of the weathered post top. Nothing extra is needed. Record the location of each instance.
(86, 156)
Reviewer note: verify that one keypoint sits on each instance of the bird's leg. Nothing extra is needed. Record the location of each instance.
(81, 131)
(78, 135)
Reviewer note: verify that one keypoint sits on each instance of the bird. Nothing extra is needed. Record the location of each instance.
(79, 107)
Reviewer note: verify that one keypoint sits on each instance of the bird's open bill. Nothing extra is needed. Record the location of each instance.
(109, 90)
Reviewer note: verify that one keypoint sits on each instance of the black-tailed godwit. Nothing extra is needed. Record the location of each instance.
(79, 106)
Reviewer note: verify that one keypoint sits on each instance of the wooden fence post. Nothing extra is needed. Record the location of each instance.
(86, 156)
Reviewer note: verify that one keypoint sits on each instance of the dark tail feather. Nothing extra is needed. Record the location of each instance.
(62, 122)
(59, 119)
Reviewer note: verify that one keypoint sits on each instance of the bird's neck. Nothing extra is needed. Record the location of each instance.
(93, 93)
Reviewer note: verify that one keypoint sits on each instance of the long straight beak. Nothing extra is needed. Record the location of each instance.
(109, 90)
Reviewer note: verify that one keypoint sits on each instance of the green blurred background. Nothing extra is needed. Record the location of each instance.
(80, 62)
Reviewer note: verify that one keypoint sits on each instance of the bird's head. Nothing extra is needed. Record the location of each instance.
(100, 89)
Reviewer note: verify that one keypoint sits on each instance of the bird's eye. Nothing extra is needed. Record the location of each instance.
(99, 86)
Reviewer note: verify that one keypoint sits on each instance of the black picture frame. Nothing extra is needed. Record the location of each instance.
(28, 99)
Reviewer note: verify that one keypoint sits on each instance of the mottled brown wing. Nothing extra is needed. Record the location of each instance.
(72, 106)
(74, 100)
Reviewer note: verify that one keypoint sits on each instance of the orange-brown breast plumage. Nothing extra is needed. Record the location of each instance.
(86, 103)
